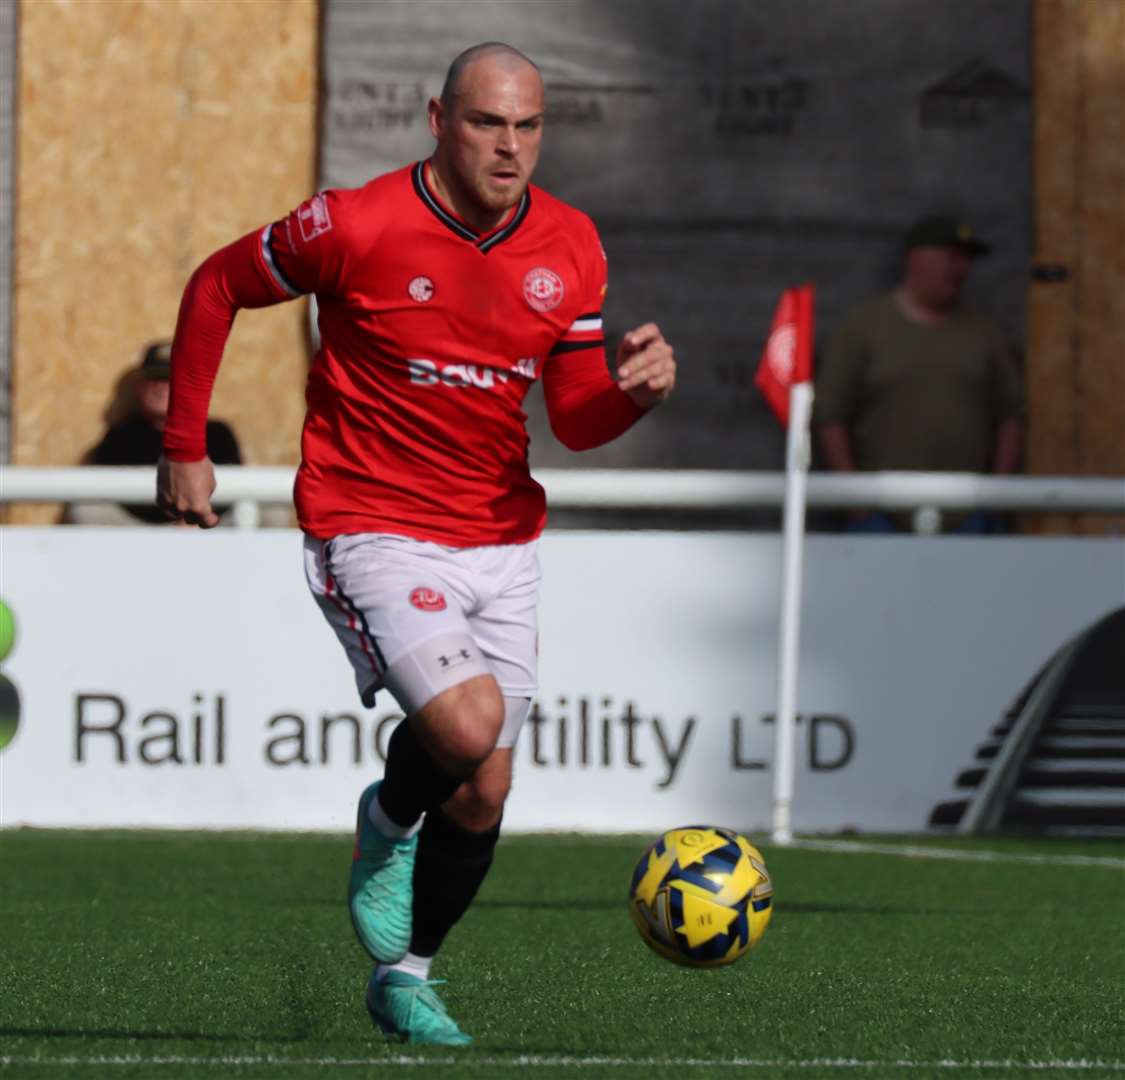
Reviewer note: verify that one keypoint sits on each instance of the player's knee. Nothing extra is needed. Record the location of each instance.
(466, 722)
(488, 791)
(479, 802)
(480, 719)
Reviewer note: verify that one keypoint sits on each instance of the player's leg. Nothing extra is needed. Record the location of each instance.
(457, 843)
(399, 613)
(423, 653)
(458, 840)
(429, 757)
(455, 851)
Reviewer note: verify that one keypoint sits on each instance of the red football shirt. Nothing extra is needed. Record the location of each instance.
(431, 336)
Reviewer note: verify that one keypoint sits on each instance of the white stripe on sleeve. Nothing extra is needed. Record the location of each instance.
(268, 256)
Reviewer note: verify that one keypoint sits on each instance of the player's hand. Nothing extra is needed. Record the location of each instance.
(184, 490)
(646, 368)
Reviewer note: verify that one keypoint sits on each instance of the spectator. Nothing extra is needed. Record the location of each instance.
(137, 440)
(913, 380)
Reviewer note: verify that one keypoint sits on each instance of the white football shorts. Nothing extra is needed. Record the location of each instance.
(417, 617)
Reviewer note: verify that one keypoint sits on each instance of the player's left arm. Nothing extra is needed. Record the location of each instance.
(586, 405)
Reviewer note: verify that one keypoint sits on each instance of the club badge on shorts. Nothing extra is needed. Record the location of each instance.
(427, 600)
(543, 289)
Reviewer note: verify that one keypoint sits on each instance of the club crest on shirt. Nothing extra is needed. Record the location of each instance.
(427, 599)
(543, 289)
(421, 289)
(313, 218)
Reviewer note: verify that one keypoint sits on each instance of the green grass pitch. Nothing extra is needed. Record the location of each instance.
(175, 955)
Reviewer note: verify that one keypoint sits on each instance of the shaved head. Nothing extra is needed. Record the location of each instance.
(504, 55)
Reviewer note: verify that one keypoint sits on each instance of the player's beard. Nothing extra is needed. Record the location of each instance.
(495, 200)
(469, 186)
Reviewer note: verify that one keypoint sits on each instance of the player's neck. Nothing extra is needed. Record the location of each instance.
(482, 221)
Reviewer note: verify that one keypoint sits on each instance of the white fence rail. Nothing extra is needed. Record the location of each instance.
(633, 489)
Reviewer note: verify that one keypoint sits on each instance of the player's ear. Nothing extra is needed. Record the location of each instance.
(435, 113)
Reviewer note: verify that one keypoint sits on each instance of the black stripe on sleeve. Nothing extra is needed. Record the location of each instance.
(575, 346)
(277, 266)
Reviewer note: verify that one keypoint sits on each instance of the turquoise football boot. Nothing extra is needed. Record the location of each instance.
(408, 1008)
(381, 887)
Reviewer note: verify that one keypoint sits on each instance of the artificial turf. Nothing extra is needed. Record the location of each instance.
(206, 954)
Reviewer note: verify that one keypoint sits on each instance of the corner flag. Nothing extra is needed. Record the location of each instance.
(787, 357)
(785, 379)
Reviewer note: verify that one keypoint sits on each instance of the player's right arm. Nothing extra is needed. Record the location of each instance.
(297, 255)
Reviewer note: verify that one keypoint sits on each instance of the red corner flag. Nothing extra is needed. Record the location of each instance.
(787, 357)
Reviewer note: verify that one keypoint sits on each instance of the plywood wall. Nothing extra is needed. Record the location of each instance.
(1076, 325)
(150, 133)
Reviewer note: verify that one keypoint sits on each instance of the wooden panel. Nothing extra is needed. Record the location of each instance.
(151, 132)
(1052, 436)
(1075, 374)
(1102, 307)
(1101, 375)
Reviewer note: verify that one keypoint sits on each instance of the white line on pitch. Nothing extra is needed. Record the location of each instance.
(918, 851)
(467, 1060)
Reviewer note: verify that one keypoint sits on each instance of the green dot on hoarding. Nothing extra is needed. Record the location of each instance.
(7, 630)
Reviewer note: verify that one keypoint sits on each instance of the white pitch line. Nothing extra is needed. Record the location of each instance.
(918, 851)
(467, 1060)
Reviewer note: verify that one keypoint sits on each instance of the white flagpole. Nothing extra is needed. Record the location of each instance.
(797, 454)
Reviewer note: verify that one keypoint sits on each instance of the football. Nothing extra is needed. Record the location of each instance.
(701, 896)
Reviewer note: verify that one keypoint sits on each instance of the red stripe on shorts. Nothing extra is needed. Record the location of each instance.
(331, 592)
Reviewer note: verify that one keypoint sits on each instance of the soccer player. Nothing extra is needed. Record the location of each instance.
(445, 289)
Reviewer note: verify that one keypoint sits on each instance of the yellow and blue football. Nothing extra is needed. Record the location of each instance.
(701, 896)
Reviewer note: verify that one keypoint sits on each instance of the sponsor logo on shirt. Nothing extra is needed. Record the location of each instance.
(420, 289)
(313, 219)
(425, 372)
(543, 289)
(525, 366)
(427, 599)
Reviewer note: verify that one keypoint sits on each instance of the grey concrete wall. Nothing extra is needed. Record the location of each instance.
(727, 149)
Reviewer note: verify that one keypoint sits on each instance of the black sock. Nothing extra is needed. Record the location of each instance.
(412, 783)
(450, 865)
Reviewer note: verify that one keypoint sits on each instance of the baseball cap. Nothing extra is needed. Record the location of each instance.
(940, 231)
(157, 362)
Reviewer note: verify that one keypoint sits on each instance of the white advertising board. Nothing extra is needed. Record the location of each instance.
(169, 678)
